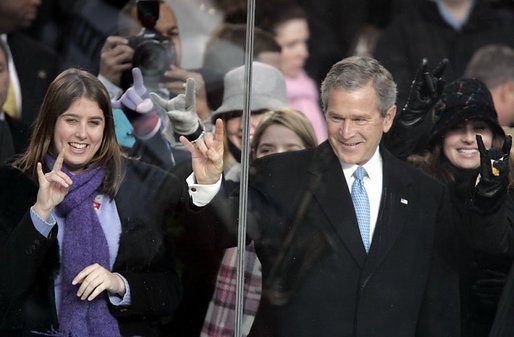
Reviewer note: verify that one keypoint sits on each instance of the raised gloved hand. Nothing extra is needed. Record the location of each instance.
(494, 169)
(138, 108)
(181, 110)
(425, 90)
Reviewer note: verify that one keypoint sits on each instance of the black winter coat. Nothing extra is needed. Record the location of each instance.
(146, 199)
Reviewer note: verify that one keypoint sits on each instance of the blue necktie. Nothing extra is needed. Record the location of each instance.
(361, 204)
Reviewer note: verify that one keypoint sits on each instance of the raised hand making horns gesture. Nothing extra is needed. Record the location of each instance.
(53, 187)
(494, 168)
(207, 155)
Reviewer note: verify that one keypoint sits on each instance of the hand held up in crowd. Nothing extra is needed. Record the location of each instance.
(494, 169)
(207, 155)
(175, 84)
(116, 58)
(53, 187)
(138, 107)
(181, 109)
(425, 91)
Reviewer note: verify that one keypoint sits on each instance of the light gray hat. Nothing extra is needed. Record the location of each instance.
(268, 90)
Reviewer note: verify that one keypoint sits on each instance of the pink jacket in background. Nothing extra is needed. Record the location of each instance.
(303, 95)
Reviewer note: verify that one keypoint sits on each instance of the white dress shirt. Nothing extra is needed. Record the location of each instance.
(372, 183)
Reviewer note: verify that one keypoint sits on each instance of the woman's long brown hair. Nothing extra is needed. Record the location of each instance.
(69, 86)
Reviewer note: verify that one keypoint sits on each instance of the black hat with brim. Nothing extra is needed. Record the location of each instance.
(464, 100)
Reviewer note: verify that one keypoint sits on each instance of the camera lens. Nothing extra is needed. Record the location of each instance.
(153, 53)
(152, 57)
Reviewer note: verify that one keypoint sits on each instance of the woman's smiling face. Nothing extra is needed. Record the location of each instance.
(460, 145)
(79, 133)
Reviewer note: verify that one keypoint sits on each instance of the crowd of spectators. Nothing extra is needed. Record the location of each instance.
(174, 74)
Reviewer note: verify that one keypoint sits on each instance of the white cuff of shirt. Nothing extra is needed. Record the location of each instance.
(43, 226)
(202, 194)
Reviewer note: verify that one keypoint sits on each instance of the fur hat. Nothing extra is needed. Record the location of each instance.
(460, 101)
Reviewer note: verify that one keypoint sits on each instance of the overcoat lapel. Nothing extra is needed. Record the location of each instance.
(393, 215)
(333, 197)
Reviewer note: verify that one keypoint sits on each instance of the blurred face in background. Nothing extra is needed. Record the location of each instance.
(234, 127)
(277, 139)
(503, 98)
(4, 77)
(17, 14)
(460, 145)
(292, 36)
(167, 26)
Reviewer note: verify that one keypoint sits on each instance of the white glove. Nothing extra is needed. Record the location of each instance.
(181, 110)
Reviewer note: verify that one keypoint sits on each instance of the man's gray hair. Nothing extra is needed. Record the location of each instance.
(492, 64)
(355, 72)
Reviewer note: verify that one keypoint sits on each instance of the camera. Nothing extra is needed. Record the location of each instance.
(153, 52)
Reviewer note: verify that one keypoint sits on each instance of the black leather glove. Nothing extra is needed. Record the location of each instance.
(494, 169)
(425, 90)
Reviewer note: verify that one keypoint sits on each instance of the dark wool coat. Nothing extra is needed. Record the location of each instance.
(491, 234)
(147, 198)
(318, 279)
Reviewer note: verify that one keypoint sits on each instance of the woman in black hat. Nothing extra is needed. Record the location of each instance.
(468, 151)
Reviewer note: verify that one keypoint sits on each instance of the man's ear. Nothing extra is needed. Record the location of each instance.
(389, 118)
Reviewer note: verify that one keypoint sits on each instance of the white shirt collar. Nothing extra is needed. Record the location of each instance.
(373, 167)
(373, 184)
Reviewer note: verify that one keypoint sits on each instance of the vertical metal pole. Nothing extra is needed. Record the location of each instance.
(245, 159)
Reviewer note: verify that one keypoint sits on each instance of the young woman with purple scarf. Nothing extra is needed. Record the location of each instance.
(84, 246)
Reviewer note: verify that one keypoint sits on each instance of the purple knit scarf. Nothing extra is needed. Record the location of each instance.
(83, 244)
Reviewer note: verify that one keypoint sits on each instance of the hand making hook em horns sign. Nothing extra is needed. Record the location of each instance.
(494, 168)
(207, 155)
(53, 187)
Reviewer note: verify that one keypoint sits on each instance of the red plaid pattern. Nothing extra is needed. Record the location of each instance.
(220, 317)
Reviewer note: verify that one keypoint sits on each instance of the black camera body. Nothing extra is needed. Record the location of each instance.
(153, 52)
